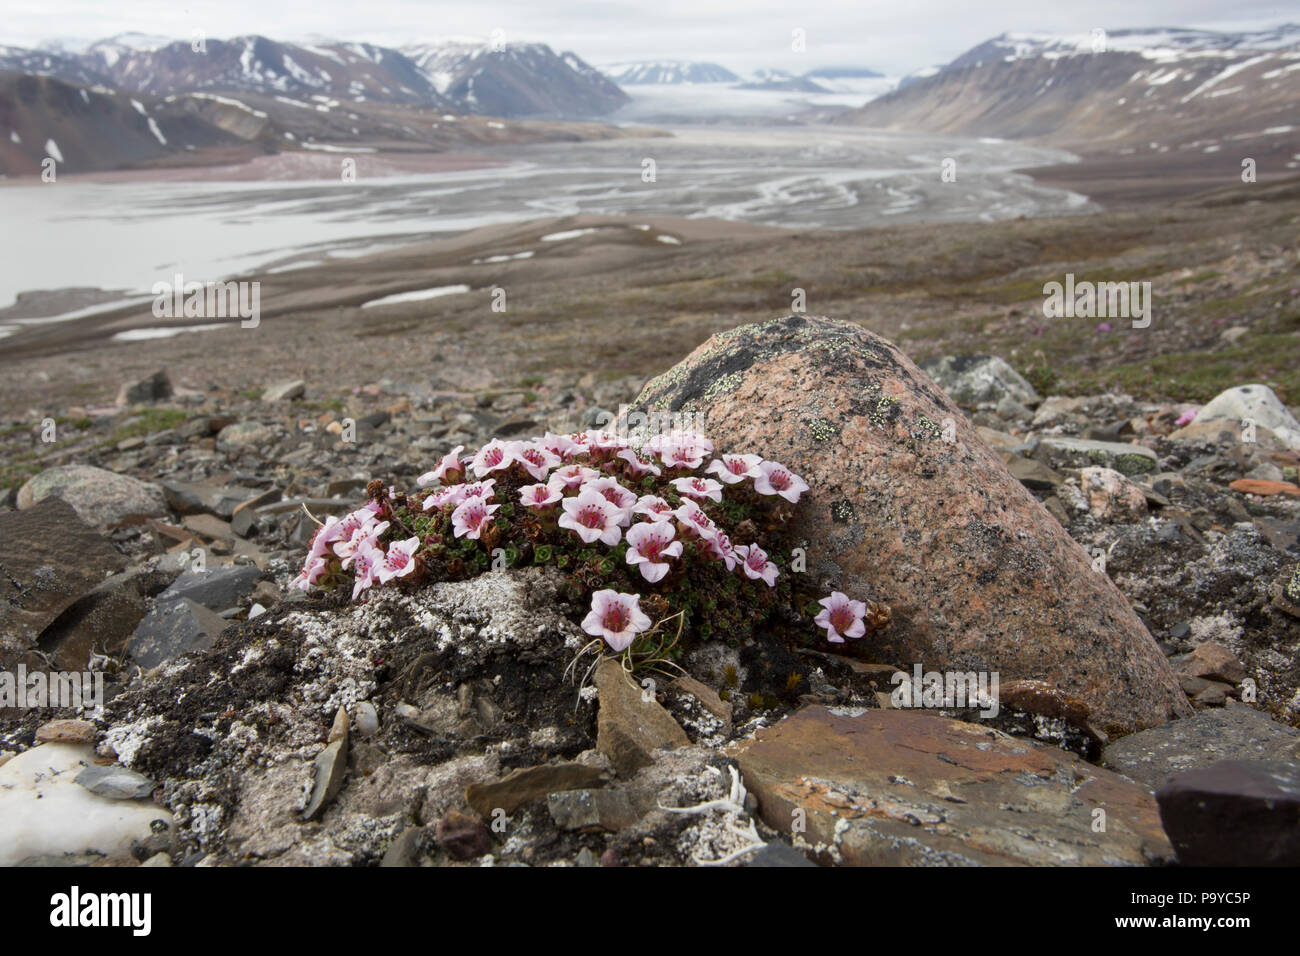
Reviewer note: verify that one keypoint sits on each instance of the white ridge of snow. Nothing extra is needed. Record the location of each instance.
(52, 150)
(416, 296)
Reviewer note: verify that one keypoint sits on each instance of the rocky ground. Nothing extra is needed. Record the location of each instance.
(250, 723)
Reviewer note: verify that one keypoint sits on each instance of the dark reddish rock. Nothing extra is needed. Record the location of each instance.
(1235, 813)
(977, 572)
(49, 559)
(894, 787)
(462, 836)
(1214, 662)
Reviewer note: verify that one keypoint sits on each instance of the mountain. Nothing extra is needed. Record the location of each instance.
(520, 79)
(61, 65)
(782, 82)
(453, 76)
(842, 73)
(96, 128)
(1192, 92)
(669, 71)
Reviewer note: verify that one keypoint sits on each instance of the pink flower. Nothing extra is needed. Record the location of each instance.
(615, 617)
(365, 536)
(701, 488)
(648, 544)
(756, 566)
(367, 560)
(685, 450)
(449, 471)
(535, 460)
(399, 561)
(455, 494)
(842, 618)
(571, 476)
(1187, 417)
(620, 497)
(593, 517)
(653, 507)
(470, 517)
(478, 489)
(695, 520)
(538, 496)
(636, 466)
(312, 572)
(734, 468)
(605, 441)
(720, 547)
(559, 445)
(452, 495)
(496, 455)
(774, 479)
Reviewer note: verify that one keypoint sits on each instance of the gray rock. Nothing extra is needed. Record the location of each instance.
(1032, 474)
(975, 379)
(610, 809)
(1255, 403)
(115, 782)
(1127, 459)
(155, 388)
(1238, 732)
(216, 588)
(102, 620)
(50, 559)
(244, 436)
(366, 719)
(285, 391)
(404, 848)
(189, 499)
(171, 629)
(100, 497)
(778, 853)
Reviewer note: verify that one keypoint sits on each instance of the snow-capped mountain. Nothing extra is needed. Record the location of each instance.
(782, 81)
(1164, 45)
(1160, 91)
(517, 79)
(456, 76)
(668, 71)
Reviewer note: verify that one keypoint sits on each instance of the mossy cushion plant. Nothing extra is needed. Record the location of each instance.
(646, 532)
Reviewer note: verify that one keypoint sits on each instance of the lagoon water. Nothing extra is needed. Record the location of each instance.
(128, 235)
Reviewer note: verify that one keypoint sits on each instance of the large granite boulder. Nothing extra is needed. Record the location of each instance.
(99, 497)
(908, 506)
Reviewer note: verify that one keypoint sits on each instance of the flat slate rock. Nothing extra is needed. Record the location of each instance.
(216, 588)
(49, 558)
(909, 507)
(115, 782)
(173, 628)
(1235, 813)
(904, 788)
(1238, 732)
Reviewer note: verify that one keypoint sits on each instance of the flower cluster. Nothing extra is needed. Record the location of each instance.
(626, 524)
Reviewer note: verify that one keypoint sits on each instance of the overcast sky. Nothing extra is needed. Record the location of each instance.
(892, 36)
